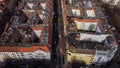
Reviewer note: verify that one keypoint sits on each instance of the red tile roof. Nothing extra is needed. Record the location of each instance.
(23, 49)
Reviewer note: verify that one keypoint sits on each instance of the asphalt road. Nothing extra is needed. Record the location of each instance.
(55, 31)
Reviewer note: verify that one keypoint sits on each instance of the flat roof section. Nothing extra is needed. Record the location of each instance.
(74, 11)
(91, 12)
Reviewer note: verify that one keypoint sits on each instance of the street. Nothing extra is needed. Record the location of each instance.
(55, 33)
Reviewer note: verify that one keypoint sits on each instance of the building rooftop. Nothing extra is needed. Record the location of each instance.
(37, 4)
(89, 41)
(24, 49)
(84, 24)
(30, 24)
(86, 27)
(83, 9)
